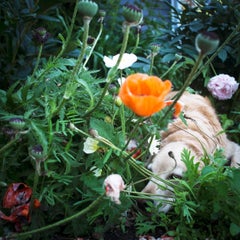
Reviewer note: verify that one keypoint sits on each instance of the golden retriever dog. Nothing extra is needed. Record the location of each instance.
(201, 133)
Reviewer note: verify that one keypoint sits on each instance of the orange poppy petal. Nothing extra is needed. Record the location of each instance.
(178, 107)
(144, 94)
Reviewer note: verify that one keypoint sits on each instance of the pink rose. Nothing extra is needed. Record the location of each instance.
(222, 86)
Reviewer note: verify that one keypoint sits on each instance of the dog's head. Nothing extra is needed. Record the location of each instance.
(166, 165)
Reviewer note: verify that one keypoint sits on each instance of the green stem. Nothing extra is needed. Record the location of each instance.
(38, 59)
(86, 23)
(9, 144)
(185, 85)
(112, 71)
(69, 33)
(169, 69)
(63, 221)
(152, 63)
(94, 44)
(137, 42)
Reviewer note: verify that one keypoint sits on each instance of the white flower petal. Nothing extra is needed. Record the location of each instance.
(90, 145)
(127, 60)
(121, 80)
(108, 62)
(154, 146)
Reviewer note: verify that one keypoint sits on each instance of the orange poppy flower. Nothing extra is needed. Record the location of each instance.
(144, 94)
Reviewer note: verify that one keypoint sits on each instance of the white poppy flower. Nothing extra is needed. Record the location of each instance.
(127, 60)
(114, 184)
(90, 145)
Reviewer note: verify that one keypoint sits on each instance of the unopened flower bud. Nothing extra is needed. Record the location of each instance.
(17, 123)
(90, 40)
(206, 42)
(178, 57)
(93, 133)
(155, 49)
(132, 14)
(102, 13)
(118, 101)
(113, 89)
(37, 152)
(40, 35)
(87, 8)
(108, 119)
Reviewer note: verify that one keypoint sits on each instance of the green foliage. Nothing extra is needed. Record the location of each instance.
(206, 204)
(57, 87)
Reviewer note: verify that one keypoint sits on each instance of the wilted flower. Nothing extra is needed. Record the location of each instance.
(17, 198)
(127, 60)
(90, 145)
(222, 86)
(114, 184)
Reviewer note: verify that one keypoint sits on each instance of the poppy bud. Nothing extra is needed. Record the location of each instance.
(118, 101)
(206, 42)
(102, 13)
(17, 123)
(40, 35)
(178, 57)
(132, 14)
(93, 133)
(37, 152)
(90, 40)
(87, 8)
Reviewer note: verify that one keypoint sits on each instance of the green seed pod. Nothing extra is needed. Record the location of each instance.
(87, 8)
(206, 42)
(132, 14)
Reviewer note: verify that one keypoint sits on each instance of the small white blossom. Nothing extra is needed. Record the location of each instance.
(222, 86)
(127, 60)
(114, 184)
(90, 145)
(154, 146)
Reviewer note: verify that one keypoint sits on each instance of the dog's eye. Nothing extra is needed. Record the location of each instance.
(174, 176)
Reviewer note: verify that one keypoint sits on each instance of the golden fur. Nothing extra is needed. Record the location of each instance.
(201, 134)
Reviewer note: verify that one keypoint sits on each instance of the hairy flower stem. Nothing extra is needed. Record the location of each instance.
(9, 144)
(169, 69)
(185, 85)
(38, 60)
(112, 72)
(94, 44)
(152, 64)
(69, 31)
(71, 85)
(137, 43)
(61, 222)
(86, 23)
